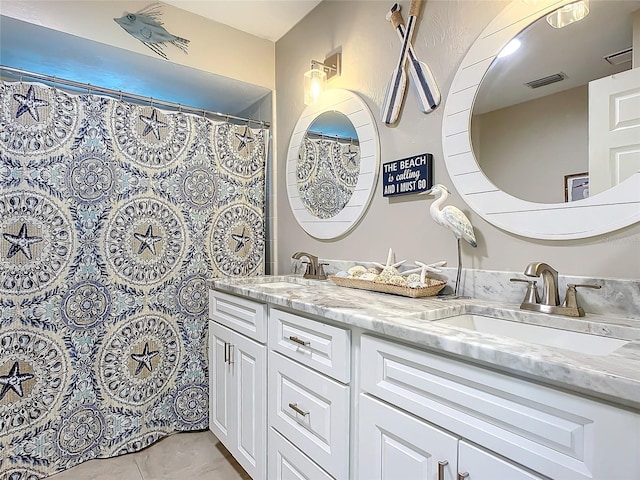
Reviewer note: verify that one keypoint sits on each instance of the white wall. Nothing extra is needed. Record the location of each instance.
(213, 47)
(528, 148)
(445, 31)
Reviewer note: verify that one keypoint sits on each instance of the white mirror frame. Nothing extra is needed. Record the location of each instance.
(353, 107)
(615, 208)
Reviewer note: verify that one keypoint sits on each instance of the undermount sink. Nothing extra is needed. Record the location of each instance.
(277, 285)
(541, 335)
(279, 282)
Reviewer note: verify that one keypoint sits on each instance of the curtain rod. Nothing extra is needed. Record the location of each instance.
(328, 135)
(120, 94)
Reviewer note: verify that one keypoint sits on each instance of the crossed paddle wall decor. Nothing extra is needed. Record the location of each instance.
(424, 83)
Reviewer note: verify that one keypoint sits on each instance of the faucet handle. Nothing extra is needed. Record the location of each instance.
(320, 272)
(309, 269)
(583, 285)
(571, 300)
(531, 296)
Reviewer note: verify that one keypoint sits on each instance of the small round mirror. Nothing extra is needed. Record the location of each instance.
(332, 164)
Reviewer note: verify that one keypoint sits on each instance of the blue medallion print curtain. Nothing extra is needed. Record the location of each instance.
(113, 216)
(327, 173)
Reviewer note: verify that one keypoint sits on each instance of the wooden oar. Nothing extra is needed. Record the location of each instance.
(424, 82)
(398, 81)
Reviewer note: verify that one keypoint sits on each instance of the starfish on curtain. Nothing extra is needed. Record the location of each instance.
(241, 239)
(14, 381)
(21, 242)
(29, 103)
(244, 139)
(153, 124)
(148, 240)
(144, 359)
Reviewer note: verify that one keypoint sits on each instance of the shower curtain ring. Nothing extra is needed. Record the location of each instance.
(120, 96)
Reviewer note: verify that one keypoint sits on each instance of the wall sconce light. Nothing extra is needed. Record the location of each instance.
(568, 14)
(315, 80)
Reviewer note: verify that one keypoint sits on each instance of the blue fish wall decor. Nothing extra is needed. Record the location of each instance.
(145, 25)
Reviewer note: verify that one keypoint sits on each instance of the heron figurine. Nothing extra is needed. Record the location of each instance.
(452, 218)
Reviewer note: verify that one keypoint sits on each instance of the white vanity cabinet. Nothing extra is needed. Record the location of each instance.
(458, 405)
(237, 379)
(396, 445)
(309, 398)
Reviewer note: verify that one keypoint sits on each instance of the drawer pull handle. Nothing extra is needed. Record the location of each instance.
(301, 342)
(294, 406)
(441, 465)
(462, 476)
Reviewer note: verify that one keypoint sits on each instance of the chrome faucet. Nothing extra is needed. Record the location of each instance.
(550, 301)
(314, 270)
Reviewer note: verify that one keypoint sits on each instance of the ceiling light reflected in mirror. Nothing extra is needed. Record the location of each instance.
(509, 48)
(568, 14)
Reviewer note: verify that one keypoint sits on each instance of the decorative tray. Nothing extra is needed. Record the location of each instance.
(432, 288)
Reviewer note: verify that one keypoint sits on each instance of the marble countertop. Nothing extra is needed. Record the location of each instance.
(614, 377)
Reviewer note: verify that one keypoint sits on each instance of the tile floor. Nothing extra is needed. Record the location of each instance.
(181, 456)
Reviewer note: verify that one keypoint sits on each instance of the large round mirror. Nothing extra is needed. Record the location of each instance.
(512, 201)
(531, 117)
(332, 164)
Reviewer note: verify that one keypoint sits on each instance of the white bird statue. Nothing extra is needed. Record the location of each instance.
(452, 218)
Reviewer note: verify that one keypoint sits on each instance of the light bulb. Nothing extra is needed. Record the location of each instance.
(315, 81)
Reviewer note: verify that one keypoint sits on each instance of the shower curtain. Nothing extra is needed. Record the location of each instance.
(327, 174)
(113, 216)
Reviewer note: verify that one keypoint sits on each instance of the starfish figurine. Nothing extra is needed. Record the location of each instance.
(144, 359)
(21, 242)
(391, 261)
(148, 240)
(423, 268)
(29, 103)
(242, 240)
(244, 139)
(13, 381)
(153, 124)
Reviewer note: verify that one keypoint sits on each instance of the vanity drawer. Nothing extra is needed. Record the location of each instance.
(286, 462)
(311, 411)
(239, 314)
(547, 430)
(320, 346)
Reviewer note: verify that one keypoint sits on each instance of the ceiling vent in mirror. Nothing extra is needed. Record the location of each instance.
(541, 82)
(618, 58)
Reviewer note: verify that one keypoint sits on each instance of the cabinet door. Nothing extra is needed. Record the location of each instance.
(219, 382)
(286, 462)
(237, 397)
(481, 465)
(248, 367)
(394, 445)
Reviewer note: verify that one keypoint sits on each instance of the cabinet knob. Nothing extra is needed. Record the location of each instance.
(462, 476)
(441, 465)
